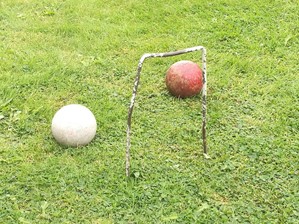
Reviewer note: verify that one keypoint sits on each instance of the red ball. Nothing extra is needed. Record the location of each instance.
(184, 79)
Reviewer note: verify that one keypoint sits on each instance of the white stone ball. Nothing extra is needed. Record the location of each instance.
(74, 125)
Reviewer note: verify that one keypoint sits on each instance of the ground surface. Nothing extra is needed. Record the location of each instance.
(57, 52)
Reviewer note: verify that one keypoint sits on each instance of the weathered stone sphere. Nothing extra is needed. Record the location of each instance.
(74, 125)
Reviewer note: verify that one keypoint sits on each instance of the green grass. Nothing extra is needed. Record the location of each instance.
(54, 53)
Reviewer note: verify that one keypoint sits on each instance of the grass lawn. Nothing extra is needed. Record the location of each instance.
(58, 52)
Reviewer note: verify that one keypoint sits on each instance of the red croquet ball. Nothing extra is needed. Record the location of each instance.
(184, 79)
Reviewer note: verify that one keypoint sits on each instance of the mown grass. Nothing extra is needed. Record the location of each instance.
(56, 52)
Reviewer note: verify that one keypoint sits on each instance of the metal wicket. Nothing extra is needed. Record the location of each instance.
(204, 97)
